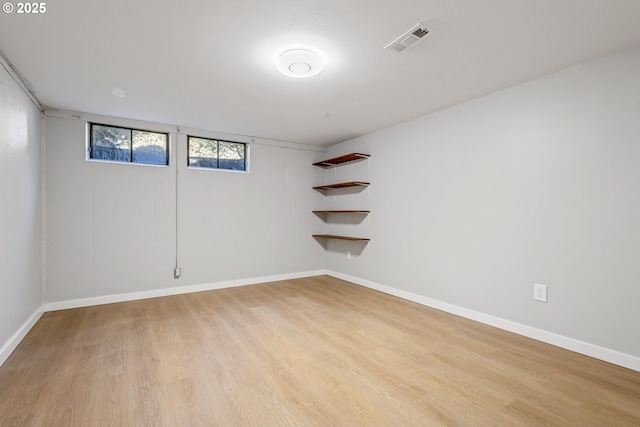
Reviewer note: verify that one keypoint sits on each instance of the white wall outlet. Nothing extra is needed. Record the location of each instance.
(349, 255)
(177, 272)
(540, 292)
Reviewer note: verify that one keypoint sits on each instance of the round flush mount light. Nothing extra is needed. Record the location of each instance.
(300, 61)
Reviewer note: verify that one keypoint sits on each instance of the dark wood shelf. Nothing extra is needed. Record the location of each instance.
(351, 157)
(342, 212)
(341, 185)
(333, 236)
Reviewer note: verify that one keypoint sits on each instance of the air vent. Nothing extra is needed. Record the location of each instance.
(408, 39)
(420, 32)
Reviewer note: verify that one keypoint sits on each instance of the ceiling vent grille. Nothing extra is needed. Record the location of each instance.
(408, 39)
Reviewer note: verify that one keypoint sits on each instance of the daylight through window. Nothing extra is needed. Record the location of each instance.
(118, 144)
(215, 154)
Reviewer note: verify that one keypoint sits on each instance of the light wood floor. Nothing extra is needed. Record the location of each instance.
(313, 352)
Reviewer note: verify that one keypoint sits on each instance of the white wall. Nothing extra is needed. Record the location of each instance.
(21, 291)
(539, 183)
(111, 227)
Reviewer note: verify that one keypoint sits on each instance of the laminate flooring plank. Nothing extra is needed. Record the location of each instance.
(316, 351)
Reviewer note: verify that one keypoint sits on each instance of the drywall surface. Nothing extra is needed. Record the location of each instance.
(112, 228)
(21, 208)
(538, 183)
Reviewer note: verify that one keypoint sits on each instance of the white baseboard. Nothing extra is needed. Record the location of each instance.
(592, 350)
(132, 296)
(13, 342)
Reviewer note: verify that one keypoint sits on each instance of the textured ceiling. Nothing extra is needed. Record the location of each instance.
(208, 64)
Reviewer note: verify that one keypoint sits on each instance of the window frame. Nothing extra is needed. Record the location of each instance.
(218, 140)
(130, 129)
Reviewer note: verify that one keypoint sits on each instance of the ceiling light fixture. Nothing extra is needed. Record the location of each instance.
(300, 61)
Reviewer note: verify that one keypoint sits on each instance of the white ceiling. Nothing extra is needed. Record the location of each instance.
(208, 63)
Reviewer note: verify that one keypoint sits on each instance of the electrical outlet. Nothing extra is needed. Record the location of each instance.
(177, 272)
(540, 292)
(348, 254)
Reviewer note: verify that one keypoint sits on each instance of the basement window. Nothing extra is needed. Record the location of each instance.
(216, 154)
(120, 144)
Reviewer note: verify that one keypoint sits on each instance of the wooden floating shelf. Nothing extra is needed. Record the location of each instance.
(351, 157)
(333, 236)
(341, 185)
(342, 212)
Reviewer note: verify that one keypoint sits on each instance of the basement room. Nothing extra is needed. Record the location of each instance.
(320, 213)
